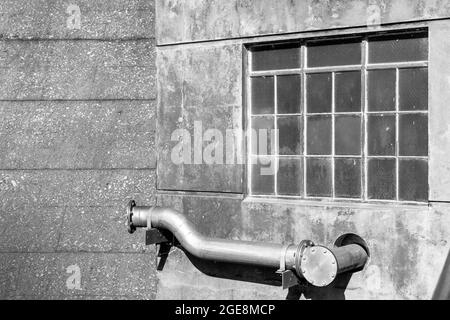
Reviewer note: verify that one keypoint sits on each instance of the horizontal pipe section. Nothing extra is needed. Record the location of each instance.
(350, 257)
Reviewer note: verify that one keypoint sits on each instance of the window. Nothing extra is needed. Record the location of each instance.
(350, 117)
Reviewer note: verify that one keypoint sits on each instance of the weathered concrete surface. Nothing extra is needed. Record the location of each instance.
(75, 70)
(408, 246)
(103, 276)
(439, 111)
(186, 21)
(77, 134)
(100, 19)
(200, 84)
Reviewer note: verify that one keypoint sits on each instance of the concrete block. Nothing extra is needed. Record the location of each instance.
(199, 171)
(9, 272)
(200, 75)
(30, 230)
(99, 19)
(214, 216)
(68, 188)
(90, 229)
(49, 70)
(77, 134)
(200, 85)
(46, 276)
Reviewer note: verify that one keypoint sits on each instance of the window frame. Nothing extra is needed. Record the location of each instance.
(364, 67)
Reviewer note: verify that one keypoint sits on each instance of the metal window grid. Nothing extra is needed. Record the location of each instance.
(364, 67)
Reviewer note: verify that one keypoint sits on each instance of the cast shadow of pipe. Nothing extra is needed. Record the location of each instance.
(334, 291)
(233, 271)
(268, 276)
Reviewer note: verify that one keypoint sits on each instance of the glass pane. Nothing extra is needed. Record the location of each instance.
(348, 91)
(381, 179)
(334, 54)
(263, 175)
(413, 135)
(288, 94)
(411, 47)
(290, 173)
(263, 100)
(413, 89)
(347, 178)
(275, 57)
(348, 135)
(318, 92)
(263, 132)
(413, 180)
(290, 133)
(319, 135)
(318, 177)
(381, 90)
(381, 135)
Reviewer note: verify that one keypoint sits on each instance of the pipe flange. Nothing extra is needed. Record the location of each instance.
(299, 253)
(131, 228)
(319, 266)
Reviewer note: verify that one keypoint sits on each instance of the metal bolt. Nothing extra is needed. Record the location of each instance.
(333, 262)
(313, 250)
(324, 251)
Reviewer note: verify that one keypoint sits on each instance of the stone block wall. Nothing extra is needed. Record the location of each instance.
(77, 141)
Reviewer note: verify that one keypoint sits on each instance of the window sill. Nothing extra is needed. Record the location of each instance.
(374, 204)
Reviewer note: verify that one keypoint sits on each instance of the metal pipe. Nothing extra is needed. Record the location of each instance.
(319, 270)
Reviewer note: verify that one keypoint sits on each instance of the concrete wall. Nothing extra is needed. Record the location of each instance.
(77, 135)
(200, 68)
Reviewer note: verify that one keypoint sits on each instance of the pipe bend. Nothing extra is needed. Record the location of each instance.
(183, 230)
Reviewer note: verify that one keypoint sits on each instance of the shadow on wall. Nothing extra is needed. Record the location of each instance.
(268, 276)
(334, 291)
(442, 290)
